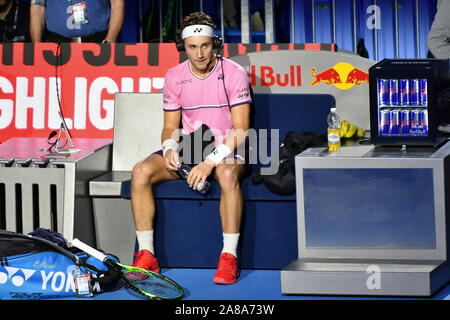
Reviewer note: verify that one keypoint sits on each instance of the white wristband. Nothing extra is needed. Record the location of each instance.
(169, 144)
(219, 153)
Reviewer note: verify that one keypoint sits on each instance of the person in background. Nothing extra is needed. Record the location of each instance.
(76, 21)
(14, 19)
(229, 14)
(439, 35)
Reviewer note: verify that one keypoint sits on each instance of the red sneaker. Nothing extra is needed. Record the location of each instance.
(227, 270)
(146, 260)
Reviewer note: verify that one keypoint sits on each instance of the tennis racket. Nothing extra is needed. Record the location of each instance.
(149, 284)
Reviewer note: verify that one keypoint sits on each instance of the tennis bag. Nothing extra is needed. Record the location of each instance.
(32, 267)
(283, 182)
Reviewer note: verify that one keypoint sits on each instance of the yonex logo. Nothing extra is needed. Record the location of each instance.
(17, 276)
(197, 30)
(55, 281)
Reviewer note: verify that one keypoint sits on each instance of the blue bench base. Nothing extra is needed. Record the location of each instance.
(268, 234)
(188, 231)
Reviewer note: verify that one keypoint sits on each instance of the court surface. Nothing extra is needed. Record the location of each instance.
(252, 285)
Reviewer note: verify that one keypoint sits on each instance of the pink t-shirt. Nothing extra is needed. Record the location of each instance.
(204, 101)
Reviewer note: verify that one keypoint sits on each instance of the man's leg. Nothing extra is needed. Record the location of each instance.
(231, 208)
(144, 175)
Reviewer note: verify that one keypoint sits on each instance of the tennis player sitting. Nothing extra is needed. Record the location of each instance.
(206, 90)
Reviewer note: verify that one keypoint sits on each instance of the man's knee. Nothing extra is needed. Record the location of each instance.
(228, 176)
(142, 174)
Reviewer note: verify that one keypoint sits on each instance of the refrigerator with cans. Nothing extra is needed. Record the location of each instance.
(408, 101)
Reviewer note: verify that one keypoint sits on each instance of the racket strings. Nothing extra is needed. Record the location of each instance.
(153, 286)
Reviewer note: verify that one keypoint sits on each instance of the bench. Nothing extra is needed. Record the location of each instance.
(187, 225)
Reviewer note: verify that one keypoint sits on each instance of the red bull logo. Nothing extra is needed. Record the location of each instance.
(357, 76)
(268, 76)
(342, 75)
(329, 76)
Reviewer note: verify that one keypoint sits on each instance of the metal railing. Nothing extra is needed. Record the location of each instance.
(306, 17)
(31, 196)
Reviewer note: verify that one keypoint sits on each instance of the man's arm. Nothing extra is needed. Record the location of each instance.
(171, 131)
(439, 35)
(37, 22)
(240, 118)
(115, 20)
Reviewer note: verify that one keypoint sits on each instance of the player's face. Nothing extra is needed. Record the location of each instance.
(199, 50)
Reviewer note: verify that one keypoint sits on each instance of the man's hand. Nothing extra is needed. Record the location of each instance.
(172, 160)
(199, 173)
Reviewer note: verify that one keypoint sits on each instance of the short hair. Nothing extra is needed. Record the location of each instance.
(197, 18)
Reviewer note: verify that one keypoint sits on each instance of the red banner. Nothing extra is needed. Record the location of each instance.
(83, 78)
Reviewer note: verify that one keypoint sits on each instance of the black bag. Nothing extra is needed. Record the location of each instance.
(283, 182)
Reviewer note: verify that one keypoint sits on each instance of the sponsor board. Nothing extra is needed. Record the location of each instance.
(342, 75)
(36, 79)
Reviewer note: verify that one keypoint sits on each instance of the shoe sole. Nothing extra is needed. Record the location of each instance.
(218, 280)
(222, 281)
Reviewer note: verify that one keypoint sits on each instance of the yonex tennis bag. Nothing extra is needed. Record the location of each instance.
(32, 267)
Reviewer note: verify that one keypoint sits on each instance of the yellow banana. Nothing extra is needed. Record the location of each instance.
(344, 128)
(351, 131)
(361, 133)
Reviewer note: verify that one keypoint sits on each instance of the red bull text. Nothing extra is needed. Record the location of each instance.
(268, 77)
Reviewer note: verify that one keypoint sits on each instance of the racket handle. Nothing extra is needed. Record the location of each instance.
(89, 250)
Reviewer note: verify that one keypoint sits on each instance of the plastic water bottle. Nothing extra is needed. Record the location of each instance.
(334, 127)
(184, 169)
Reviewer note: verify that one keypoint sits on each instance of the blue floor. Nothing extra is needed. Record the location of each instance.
(252, 285)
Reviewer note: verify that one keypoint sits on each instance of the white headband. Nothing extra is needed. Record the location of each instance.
(197, 30)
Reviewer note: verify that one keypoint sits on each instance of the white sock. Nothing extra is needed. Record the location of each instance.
(230, 243)
(145, 240)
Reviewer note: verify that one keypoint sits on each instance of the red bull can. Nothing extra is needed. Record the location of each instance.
(414, 122)
(395, 122)
(423, 92)
(405, 122)
(414, 92)
(423, 122)
(385, 122)
(403, 88)
(383, 92)
(393, 92)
